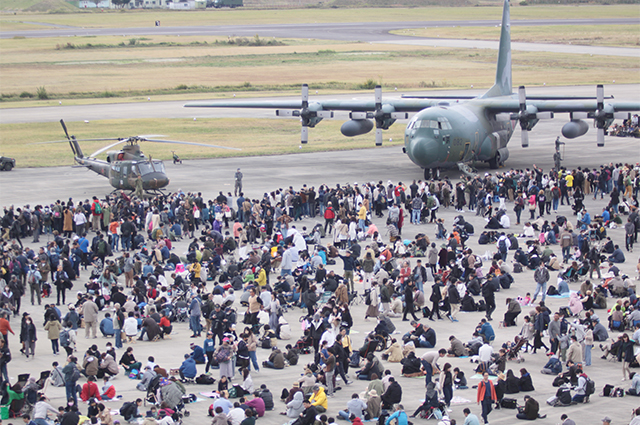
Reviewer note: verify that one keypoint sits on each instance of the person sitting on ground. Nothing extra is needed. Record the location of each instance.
(356, 407)
(276, 359)
(319, 399)
(411, 365)
(188, 368)
(457, 348)
(530, 411)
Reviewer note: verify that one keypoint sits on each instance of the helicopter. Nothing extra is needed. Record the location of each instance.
(128, 167)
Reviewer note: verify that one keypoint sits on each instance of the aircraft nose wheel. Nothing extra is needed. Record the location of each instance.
(430, 173)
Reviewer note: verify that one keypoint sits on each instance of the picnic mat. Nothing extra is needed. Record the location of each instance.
(459, 400)
(478, 376)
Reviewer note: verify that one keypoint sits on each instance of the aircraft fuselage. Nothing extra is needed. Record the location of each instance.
(442, 136)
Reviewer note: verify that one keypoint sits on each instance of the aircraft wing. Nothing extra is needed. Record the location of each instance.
(400, 105)
(498, 105)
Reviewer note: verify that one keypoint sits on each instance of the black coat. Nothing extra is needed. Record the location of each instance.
(393, 394)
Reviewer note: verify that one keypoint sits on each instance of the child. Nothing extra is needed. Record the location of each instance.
(459, 380)
(527, 299)
(527, 332)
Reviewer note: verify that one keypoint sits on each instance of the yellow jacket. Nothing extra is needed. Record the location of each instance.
(262, 278)
(320, 399)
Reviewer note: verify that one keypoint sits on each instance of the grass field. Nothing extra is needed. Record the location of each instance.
(253, 136)
(591, 35)
(145, 18)
(160, 70)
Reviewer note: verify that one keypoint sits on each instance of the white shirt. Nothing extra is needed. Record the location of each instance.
(130, 326)
(505, 222)
(485, 352)
(236, 415)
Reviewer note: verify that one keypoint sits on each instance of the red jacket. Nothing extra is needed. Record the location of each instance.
(111, 392)
(482, 388)
(90, 389)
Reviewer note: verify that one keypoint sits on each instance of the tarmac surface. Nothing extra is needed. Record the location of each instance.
(263, 174)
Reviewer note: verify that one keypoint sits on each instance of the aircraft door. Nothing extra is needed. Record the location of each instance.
(463, 155)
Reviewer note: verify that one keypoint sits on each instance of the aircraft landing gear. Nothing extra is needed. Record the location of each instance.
(431, 173)
(494, 162)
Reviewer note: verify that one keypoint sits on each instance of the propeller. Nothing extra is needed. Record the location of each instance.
(603, 114)
(526, 115)
(382, 114)
(309, 115)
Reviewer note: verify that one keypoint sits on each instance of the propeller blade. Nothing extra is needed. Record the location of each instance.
(358, 115)
(287, 113)
(579, 115)
(378, 95)
(399, 115)
(522, 97)
(304, 134)
(324, 114)
(622, 115)
(305, 96)
(190, 143)
(525, 138)
(544, 115)
(601, 137)
(150, 136)
(106, 148)
(378, 137)
(600, 96)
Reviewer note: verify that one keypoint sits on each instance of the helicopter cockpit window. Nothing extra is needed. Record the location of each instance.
(145, 168)
(158, 166)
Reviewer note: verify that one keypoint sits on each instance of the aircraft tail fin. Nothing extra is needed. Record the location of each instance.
(502, 86)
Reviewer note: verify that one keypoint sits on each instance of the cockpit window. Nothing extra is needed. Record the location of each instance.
(145, 168)
(158, 166)
(441, 123)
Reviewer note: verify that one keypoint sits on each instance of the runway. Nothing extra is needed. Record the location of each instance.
(352, 31)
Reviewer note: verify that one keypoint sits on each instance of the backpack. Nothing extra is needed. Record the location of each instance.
(222, 356)
(126, 411)
(552, 290)
(517, 268)
(102, 247)
(502, 245)
(64, 338)
(75, 374)
(205, 380)
(590, 388)
(97, 208)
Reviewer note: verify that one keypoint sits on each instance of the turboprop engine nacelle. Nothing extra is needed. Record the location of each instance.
(574, 128)
(353, 128)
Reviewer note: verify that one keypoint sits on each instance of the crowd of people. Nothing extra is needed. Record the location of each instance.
(247, 264)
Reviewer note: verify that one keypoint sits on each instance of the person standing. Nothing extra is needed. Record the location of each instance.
(374, 301)
(53, 328)
(541, 276)
(71, 375)
(90, 313)
(408, 301)
(436, 297)
(486, 396)
(238, 183)
(488, 293)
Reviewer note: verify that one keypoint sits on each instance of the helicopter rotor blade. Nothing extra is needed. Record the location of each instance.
(99, 151)
(78, 140)
(190, 143)
(64, 127)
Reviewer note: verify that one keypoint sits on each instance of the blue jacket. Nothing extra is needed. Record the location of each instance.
(401, 416)
(487, 330)
(209, 345)
(198, 354)
(188, 368)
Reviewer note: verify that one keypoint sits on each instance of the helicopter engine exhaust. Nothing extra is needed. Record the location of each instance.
(353, 128)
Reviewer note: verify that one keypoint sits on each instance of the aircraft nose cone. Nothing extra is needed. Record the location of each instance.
(423, 151)
(157, 181)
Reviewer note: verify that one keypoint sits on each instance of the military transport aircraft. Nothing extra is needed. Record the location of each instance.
(445, 132)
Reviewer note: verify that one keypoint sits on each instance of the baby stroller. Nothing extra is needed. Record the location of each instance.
(153, 397)
(180, 311)
(513, 352)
